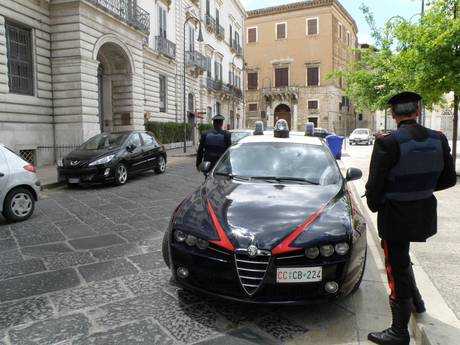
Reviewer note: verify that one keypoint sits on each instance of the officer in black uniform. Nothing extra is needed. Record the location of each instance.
(406, 167)
(213, 143)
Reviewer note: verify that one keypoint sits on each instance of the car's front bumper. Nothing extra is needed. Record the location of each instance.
(215, 274)
(93, 174)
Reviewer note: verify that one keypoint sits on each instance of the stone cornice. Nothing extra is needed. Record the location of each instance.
(301, 5)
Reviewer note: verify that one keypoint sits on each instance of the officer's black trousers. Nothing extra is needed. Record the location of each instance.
(398, 267)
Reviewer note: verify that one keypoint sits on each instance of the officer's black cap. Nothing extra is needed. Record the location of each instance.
(404, 97)
(218, 117)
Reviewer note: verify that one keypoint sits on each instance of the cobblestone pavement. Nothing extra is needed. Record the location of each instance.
(439, 256)
(87, 269)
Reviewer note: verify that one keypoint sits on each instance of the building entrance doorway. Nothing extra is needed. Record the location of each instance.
(283, 111)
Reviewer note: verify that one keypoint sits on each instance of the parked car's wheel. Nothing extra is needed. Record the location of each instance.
(165, 249)
(358, 283)
(19, 204)
(121, 174)
(161, 165)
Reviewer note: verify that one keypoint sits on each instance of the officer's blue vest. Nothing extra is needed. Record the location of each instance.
(415, 175)
(215, 145)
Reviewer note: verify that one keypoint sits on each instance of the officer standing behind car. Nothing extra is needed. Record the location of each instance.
(213, 143)
(406, 167)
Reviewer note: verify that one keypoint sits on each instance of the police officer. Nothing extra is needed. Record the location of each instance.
(213, 143)
(406, 167)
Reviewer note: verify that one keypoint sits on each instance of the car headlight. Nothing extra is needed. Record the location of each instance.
(59, 163)
(190, 240)
(327, 250)
(103, 160)
(202, 244)
(312, 253)
(342, 248)
(179, 236)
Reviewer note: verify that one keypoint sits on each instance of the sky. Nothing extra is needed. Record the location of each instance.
(382, 9)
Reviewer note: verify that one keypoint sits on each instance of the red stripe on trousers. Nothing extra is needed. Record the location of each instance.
(391, 281)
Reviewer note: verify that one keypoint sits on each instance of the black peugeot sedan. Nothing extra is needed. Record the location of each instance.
(112, 157)
(273, 223)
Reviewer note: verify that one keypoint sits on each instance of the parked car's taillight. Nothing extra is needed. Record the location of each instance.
(30, 167)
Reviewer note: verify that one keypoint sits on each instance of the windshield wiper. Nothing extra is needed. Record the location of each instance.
(284, 179)
(230, 175)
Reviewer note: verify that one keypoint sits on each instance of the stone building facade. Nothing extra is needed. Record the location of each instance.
(290, 51)
(70, 69)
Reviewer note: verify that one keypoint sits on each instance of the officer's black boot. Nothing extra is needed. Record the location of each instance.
(419, 305)
(397, 334)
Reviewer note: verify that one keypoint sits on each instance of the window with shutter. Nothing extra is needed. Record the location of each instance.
(252, 35)
(312, 76)
(252, 81)
(208, 8)
(217, 18)
(280, 31)
(162, 22)
(217, 108)
(191, 38)
(208, 67)
(281, 77)
(231, 35)
(252, 106)
(237, 38)
(19, 56)
(312, 26)
(163, 93)
(313, 104)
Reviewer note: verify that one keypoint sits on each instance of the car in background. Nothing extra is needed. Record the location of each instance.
(238, 134)
(19, 186)
(321, 132)
(361, 136)
(273, 223)
(112, 157)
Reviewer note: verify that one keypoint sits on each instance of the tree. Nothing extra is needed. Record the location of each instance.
(422, 56)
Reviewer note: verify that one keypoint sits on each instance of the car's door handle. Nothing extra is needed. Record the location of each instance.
(2, 174)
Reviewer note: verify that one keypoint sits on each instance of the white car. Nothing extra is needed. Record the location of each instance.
(19, 186)
(361, 136)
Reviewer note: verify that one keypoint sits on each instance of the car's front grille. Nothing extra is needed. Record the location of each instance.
(251, 270)
(74, 163)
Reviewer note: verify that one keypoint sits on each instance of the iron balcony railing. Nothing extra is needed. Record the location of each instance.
(127, 11)
(237, 47)
(210, 22)
(214, 84)
(165, 47)
(197, 60)
(220, 31)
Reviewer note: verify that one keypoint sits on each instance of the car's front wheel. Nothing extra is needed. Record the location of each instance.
(121, 174)
(19, 205)
(161, 165)
(165, 249)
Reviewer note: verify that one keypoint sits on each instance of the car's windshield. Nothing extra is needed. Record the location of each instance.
(104, 141)
(361, 131)
(280, 162)
(237, 136)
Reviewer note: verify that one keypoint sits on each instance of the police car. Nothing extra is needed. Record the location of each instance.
(273, 223)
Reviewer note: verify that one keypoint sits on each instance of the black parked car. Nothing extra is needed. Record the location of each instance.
(112, 157)
(274, 222)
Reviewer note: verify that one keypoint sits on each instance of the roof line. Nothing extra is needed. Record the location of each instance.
(300, 5)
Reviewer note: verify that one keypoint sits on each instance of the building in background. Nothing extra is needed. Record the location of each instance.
(70, 69)
(290, 50)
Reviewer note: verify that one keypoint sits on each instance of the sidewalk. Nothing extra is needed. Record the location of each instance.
(48, 174)
(436, 263)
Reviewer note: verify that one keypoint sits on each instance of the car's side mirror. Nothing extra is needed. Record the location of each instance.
(353, 174)
(130, 147)
(205, 167)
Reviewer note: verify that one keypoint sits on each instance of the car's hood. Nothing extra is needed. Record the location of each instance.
(256, 213)
(84, 155)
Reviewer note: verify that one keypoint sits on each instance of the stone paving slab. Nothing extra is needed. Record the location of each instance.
(46, 250)
(107, 270)
(21, 268)
(24, 311)
(37, 284)
(96, 241)
(68, 259)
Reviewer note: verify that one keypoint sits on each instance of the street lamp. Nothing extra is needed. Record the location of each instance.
(200, 39)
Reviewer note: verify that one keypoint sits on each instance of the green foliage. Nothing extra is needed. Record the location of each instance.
(203, 127)
(422, 55)
(168, 132)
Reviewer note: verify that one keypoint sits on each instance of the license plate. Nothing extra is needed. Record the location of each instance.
(299, 274)
(74, 180)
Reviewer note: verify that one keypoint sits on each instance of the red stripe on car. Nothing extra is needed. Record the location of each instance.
(223, 240)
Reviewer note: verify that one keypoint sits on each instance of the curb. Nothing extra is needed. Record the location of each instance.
(438, 326)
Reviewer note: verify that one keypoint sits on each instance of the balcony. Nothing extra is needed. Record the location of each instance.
(236, 47)
(196, 61)
(281, 93)
(127, 11)
(210, 23)
(165, 47)
(220, 32)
